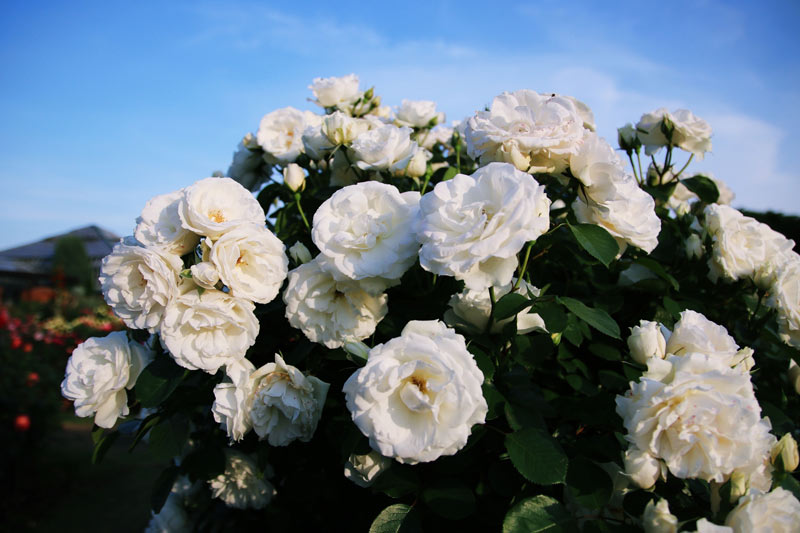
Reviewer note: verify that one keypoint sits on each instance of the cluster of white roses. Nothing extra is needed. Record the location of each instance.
(743, 248)
(694, 412)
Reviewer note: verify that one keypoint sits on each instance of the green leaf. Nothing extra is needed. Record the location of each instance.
(703, 187)
(588, 484)
(509, 305)
(537, 456)
(604, 351)
(157, 381)
(538, 514)
(102, 446)
(483, 361)
(398, 481)
(494, 400)
(791, 484)
(656, 268)
(597, 318)
(163, 487)
(597, 241)
(555, 319)
(397, 518)
(168, 438)
(449, 498)
(450, 173)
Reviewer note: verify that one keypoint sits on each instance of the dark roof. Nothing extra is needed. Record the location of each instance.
(36, 257)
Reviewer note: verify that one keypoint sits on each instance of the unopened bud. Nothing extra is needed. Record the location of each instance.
(418, 165)
(738, 481)
(299, 253)
(627, 138)
(294, 177)
(784, 454)
(658, 519)
(694, 247)
(205, 275)
(646, 341)
(357, 349)
(794, 375)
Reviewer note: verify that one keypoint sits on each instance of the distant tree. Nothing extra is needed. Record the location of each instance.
(71, 261)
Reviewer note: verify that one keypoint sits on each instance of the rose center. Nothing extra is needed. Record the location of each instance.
(216, 216)
(420, 383)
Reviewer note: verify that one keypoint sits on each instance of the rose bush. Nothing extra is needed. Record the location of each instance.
(499, 324)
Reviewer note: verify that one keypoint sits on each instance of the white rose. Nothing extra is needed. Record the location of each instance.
(366, 230)
(744, 247)
(340, 128)
(695, 333)
(618, 205)
(418, 164)
(439, 134)
(335, 92)
(328, 311)
(418, 114)
(230, 407)
(249, 168)
(241, 485)
(697, 415)
(544, 129)
(384, 148)
(584, 111)
(646, 341)
(777, 512)
(642, 468)
(98, 372)
(419, 394)
(475, 307)
(251, 261)
(472, 227)
(786, 299)
(138, 283)
(213, 206)
(315, 143)
(342, 173)
(363, 470)
(284, 404)
(690, 133)
(205, 274)
(159, 225)
(299, 253)
(594, 156)
(280, 133)
(208, 331)
(658, 519)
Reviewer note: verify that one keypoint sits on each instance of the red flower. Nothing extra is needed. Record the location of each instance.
(32, 379)
(22, 423)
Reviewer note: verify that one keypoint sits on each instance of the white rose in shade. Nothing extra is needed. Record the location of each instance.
(342, 173)
(384, 148)
(658, 519)
(366, 230)
(138, 283)
(472, 227)
(704, 526)
(541, 129)
(280, 133)
(418, 114)
(694, 246)
(251, 262)
(205, 332)
(249, 168)
(363, 470)
(331, 312)
(98, 372)
(474, 307)
(697, 415)
(695, 333)
(643, 469)
(284, 404)
(646, 341)
(691, 133)
(172, 518)
(335, 92)
(419, 394)
(777, 512)
(213, 206)
(744, 247)
(794, 375)
(230, 407)
(159, 225)
(786, 299)
(241, 485)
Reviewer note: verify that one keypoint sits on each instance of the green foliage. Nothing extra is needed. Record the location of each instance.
(540, 514)
(537, 456)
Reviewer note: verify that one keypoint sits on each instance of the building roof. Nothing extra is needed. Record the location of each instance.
(36, 257)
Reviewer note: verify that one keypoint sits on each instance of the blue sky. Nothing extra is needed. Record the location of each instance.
(106, 104)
